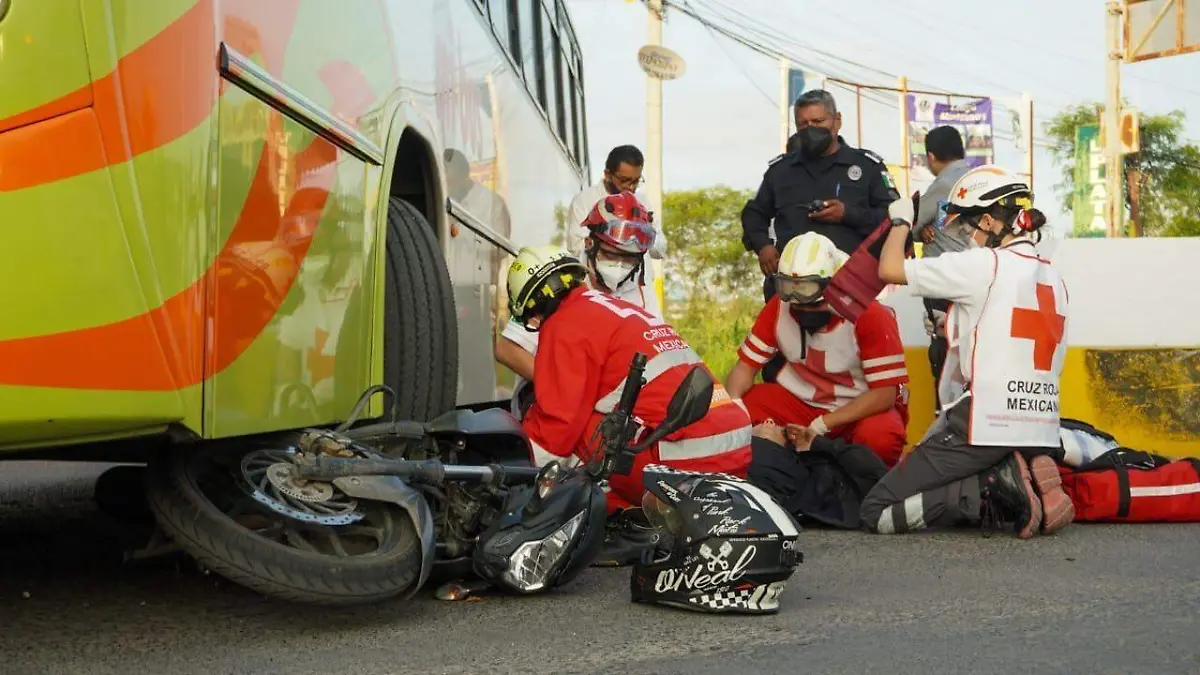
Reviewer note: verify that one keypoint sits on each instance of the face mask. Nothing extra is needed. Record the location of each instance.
(959, 238)
(814, 141)
(613, 273)
(993, 239)
(812, 321)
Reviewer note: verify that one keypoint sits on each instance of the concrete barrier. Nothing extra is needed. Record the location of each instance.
(1133, 336)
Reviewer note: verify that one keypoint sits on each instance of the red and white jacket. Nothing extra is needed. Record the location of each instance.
(829, 369)
(583, 356)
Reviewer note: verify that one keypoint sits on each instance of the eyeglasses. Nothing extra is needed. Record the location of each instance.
(623, 182)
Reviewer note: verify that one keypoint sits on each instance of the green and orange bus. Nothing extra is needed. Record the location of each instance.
(227, 219)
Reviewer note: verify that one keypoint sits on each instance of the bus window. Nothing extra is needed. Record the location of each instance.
(499, 11)
(581, 121)
(531, 58)
(553, 74)
(568, 104)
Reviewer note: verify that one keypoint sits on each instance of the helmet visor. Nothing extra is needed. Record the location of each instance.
(800, 290)
(630, 236)
(664, 517)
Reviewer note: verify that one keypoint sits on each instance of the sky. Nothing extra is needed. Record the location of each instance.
(721, 119)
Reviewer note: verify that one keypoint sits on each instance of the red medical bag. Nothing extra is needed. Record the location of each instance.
(1130, 486)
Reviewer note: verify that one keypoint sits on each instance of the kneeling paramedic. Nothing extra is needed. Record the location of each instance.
(588, 341)
(985, 459)
(842, 379)
(619, 235)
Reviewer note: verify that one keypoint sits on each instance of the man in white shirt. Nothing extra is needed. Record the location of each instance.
(617, 234)
(622, 173)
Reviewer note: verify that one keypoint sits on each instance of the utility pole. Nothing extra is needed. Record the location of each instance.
(1027, 104)
(785, 126)
(654, 123)
(1113, 172)
(905, 151)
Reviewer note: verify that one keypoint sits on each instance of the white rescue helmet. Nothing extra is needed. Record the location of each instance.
(806, 265)
(539, 278)
(985, 186)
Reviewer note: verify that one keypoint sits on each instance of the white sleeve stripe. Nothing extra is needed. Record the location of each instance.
(760, 345)
(654, 367)
(886, 375)
(540, 455)
(750, 354)
(883, 361)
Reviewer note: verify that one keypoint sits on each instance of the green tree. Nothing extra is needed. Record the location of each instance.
(713, 286)
(560, 226)
(706, 257)
(1169, 169)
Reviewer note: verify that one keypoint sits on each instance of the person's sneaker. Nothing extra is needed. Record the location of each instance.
(626, 535)
(1057, 509)
(1009, 501)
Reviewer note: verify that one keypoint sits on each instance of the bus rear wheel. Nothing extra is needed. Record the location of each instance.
(420, 330)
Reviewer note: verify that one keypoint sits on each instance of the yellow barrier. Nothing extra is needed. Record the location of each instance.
(1133, 335)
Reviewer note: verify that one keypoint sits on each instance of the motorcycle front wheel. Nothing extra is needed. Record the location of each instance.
(236, 508)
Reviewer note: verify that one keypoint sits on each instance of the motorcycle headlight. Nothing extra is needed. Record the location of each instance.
(531, 564)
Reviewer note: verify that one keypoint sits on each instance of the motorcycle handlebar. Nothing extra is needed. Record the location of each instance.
(427, 471)
(633, 385)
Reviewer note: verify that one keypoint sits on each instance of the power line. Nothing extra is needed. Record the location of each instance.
(834, 68)
(738, 64)
(1042, 47)
(757, 46)
(768, 34)
(775, 53)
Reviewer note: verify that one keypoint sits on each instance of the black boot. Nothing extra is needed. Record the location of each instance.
(1009, 502)
(627, 534)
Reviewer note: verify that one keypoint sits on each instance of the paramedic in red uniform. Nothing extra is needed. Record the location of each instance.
(985, 461)
(619, 234)
(587, 342)
(842, 379)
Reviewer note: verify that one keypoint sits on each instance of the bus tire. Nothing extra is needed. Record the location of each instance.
(420, 331)
(224, 546)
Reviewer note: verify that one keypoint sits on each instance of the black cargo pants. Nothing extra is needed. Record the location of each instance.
(935, 485)
(938, 347)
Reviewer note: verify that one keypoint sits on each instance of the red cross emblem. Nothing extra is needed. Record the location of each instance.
(1043, 325)
(814, 372)
(962, 193)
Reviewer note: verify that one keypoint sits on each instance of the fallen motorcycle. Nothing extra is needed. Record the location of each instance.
(364, 513)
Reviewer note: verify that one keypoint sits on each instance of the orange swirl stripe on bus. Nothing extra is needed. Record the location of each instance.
(128, 354)
(156, 87)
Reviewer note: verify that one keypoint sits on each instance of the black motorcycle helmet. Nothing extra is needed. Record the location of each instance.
(724, 545)
(546, 534)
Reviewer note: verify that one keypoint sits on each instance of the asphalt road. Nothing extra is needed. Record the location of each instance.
(1095, 599)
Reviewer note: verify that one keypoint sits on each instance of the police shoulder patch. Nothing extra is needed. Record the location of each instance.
(872, 156)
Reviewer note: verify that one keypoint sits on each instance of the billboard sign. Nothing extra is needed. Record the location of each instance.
(1091, 192)
(972, 119)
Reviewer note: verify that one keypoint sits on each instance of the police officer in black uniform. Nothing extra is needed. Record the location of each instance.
(824, 186)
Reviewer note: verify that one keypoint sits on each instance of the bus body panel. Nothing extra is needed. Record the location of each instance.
(218, 266)
(299, 223)
(37, 38)
(108, 233)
